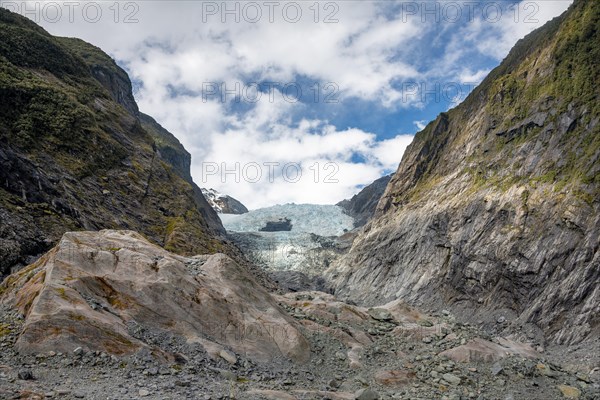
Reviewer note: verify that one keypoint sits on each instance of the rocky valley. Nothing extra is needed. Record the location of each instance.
(472, 272)
(495, 205)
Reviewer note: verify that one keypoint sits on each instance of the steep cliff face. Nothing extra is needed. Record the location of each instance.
(496, 203)
(75, 153)
(362, 205)
(168, 147)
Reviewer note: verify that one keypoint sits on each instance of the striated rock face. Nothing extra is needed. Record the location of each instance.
(168, 147)
(93, 288)
(362, 205)
(496, 203)
(222, 203)
(75, 153)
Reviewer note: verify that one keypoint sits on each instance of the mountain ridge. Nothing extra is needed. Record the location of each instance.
(223, 203)
(494, 208)
(362, 206)
(76, 153)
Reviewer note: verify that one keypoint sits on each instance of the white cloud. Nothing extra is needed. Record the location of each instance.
(173, 52)
(420, 124)
(469, 77)
(389, 152)
(324, 155)
(496, 39)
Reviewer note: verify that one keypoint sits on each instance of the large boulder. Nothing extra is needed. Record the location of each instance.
(480, 350)
(93, 286)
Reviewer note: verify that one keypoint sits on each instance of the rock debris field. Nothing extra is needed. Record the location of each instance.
(109, 321)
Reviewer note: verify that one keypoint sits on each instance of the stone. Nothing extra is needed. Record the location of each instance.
(366, 394)
(230, 376)
(569, 392)
(496, 369)
(480, 350)
(25, 375)
(143, 393)
(334, 383)
(394, 378)
(501, 320)
(282, 224)
(451, 379)
(583, 377)
(270, 394)
(228, 356)
(380, 314)
(545, 370)
(78, 351)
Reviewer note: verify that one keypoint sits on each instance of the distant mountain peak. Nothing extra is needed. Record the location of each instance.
(222, 203)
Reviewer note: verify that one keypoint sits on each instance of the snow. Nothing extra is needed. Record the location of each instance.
(211, 195)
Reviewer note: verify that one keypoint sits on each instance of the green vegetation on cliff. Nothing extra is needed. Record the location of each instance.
(75, 153)
(534, 121)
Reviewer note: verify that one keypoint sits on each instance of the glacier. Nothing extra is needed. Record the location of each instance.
(314, 241)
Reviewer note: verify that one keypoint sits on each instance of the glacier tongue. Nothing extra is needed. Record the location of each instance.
(322, 220)
(309, 247)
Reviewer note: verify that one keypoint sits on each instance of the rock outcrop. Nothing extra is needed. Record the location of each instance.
(223, 203)
(362, 205)
(496, 203)
(93, 288)
(480, 350)
(280, 225)
(75, 153)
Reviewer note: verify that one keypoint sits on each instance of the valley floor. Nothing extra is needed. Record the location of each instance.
(357, 353)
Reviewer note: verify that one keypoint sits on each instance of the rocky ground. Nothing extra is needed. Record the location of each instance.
(108, 315)
(394, 352)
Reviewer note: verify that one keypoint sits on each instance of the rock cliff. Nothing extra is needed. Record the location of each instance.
(362, 205)
(496, 204)
(75, 153)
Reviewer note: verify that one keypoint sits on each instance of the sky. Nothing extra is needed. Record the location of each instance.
(296, 101)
